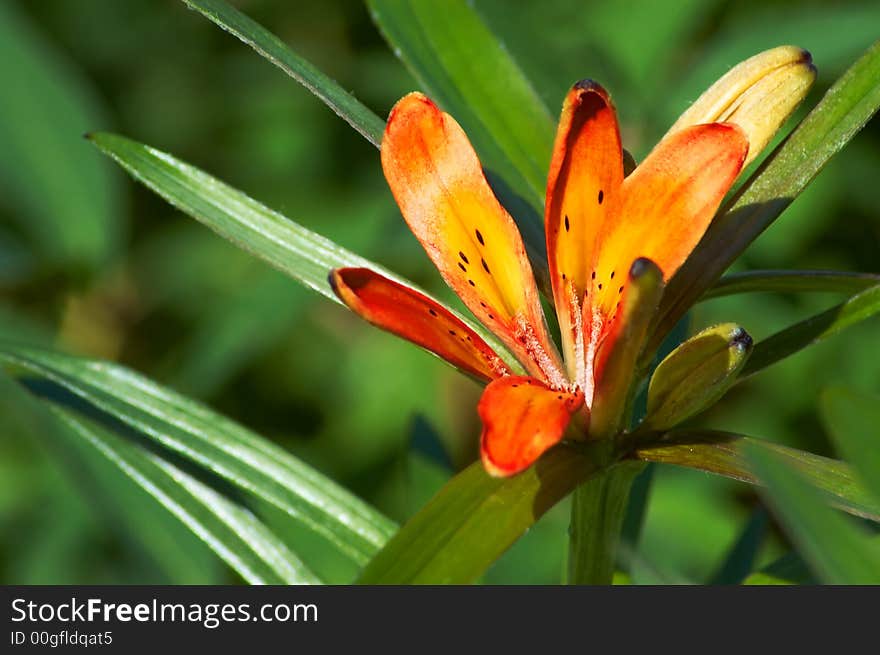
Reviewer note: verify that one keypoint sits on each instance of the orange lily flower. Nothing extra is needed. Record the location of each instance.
(603, 231)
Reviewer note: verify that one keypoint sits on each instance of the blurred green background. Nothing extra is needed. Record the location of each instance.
(93, 264)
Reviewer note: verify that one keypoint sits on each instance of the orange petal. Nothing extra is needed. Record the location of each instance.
(586, 172)
(522, 417)
(417, 318)
(667, 204)
(438, 183)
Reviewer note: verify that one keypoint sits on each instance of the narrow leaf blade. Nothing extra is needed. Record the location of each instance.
(792, 282)
(196, 433)
(345, 105)
(300, 253)
(836, 550)
(813, 330)
(723, 453)
(227, 528)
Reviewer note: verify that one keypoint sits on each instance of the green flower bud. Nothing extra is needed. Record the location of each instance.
(696, 374)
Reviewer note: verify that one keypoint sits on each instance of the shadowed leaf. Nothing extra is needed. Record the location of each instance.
(723, 453)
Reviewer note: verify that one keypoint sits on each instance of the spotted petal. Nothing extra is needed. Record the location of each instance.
(415, 317)
(667, 204)
(586, 172)
(438, 183)
(522, 417)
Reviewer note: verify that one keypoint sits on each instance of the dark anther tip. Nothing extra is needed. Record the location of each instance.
(741, 339)
(331, 279)
(586, 84)
(641, 266)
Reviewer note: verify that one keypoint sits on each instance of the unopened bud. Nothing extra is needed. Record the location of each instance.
(758, 95)
(696, 374)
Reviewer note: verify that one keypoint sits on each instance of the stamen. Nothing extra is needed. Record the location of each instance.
(524, 333)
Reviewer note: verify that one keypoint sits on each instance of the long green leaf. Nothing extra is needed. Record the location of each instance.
(812, 330)
(216, 443)
(742, 555)
(835, 548)
(300, 253)
(723, 453)
(230, 530)
(473, 519)
(275, 50)
(845, 109)
(227, 528)
(853, 419)
(792, 282)
(462, 65)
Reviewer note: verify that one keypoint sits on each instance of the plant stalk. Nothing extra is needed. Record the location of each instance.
(597, 512)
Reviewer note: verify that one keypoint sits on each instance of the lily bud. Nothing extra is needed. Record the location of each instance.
(758, 95)
(696, 374)
(614, 391)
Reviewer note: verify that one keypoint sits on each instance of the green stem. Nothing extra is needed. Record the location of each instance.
(597, 512)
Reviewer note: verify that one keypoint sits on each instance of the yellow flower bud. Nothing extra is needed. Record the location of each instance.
(696, 374)
(758, 94)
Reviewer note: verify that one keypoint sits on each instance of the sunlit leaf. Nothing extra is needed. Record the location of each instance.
(792, 282)
(275, 50)
(226, 527)
(472, 520)
(289, 247)
(836, 550)
(196, 433)
(723, 453)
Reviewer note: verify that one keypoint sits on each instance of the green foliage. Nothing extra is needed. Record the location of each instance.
(225, 449)
(837, 551)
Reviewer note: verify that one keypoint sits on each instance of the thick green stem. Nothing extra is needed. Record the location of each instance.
(597, 512)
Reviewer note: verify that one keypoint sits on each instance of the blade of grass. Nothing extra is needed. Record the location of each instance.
(741, 558)
(227, 528)
(842, 112)
(345, 105)
(792, 282)
(303, 255)
(723, 453)
(812, 330)
(196, 433)
(836, 550)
